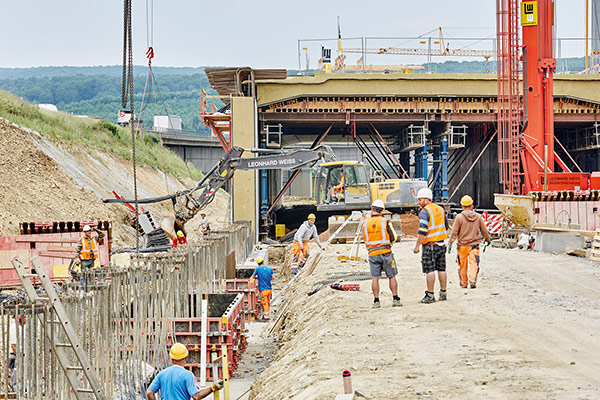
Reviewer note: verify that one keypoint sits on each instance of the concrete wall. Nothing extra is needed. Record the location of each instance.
(243, 131)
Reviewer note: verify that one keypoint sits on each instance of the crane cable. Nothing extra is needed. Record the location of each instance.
(128, 89)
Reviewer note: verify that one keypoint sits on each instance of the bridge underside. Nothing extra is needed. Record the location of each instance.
(408, 110)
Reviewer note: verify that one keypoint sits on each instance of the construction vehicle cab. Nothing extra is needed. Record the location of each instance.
(342, 185)
(345, 185)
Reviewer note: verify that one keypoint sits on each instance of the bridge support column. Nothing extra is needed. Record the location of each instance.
(440, 169)
(421, 162)
(244, 133)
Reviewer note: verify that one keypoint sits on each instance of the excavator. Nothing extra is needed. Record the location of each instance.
(341, 187)
(189, 202)
(345, 186)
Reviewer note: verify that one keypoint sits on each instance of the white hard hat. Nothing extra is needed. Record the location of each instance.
(425, 193)
(87, 228)
(378, 204)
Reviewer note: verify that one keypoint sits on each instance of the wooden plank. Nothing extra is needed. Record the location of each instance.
(56, 254)
(62, 248)
(596, 259)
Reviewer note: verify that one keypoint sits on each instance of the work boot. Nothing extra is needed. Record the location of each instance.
(443, 296)
(473, 285)
(429, 298)
(396, 303)
(376, 304)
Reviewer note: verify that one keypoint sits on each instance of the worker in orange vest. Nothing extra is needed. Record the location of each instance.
(179, 239)
(379, 234)
(87, 248)
(468, 227)
(433, 225)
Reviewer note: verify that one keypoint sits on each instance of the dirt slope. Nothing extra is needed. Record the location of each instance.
(40, 181)
(530, 330)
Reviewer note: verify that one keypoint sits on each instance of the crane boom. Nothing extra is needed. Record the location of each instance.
(187, 203)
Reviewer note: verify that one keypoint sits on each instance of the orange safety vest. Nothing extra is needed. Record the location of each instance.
(436, 227)
(86, 253)
(377, 239)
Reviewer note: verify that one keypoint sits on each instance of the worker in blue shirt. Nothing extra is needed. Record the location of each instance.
(264, 274)
(178, 383)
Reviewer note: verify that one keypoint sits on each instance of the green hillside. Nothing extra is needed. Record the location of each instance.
(85, 135)
(96, 91)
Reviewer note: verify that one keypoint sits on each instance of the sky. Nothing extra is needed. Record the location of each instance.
(256, 33)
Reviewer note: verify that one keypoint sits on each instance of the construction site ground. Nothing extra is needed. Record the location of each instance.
(530, 330)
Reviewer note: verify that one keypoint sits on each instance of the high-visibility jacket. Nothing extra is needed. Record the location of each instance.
(340, 186)
(376, 237)
(89, 249)
(436, 227)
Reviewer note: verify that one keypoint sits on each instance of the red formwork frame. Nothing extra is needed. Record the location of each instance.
(52, 248)
(248, 288)
(226, 330)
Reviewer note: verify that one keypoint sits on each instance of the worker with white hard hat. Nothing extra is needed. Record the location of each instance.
(468, 228)
(379, 235)
(264, 275)
(302, 236)
(87, 249)
(432, 234)
(176, 382)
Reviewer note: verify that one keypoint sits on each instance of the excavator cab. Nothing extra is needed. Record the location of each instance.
(342, 185)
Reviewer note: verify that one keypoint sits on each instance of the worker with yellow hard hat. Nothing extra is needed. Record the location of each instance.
(179, 239)
(177, 382)
(302, 236)
(468, 228)
(264, 275)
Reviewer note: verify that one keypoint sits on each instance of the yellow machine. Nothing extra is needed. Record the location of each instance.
(345, 185)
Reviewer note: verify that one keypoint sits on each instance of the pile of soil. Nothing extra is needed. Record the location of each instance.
(410, 225)
(41, 181)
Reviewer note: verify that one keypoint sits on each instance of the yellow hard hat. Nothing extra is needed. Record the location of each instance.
(311, 216)
(260, 260)
(466, 201)
(178, 352)
(179, 233)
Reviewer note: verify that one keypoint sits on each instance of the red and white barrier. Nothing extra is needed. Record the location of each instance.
(493, 222)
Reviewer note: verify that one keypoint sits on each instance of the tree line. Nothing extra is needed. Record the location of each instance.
(100, 95)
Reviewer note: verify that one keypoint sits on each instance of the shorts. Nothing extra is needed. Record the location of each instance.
(433, 258)
(383, 262)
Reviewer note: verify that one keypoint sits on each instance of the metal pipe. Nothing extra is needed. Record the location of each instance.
(525, 91)
(545, 167)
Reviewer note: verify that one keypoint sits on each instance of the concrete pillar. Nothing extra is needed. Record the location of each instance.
(243, 134)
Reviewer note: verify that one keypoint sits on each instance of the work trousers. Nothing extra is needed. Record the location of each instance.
(265, 301)
(300, 254)
(468, 264)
